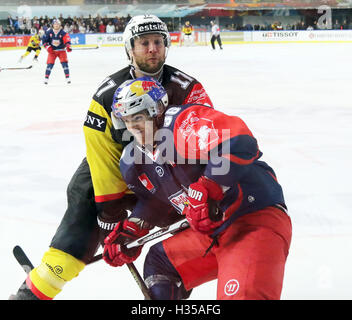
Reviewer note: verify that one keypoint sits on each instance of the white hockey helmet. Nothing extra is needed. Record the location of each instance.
(134, 96)
(144, 24)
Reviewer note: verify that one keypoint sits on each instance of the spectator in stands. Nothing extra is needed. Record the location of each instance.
(75, 28)
(68, 28)
(110, 28)
(33, 30)
(279, 26)
(10, 30)
(94, 26)
(301, 26)
(115, 21)
(41, 32)
(344, 24)
(82, 27)
(68, 20)
(10, 21)
(36, 23)
(102, 28)
(337, 25)
(248, 27)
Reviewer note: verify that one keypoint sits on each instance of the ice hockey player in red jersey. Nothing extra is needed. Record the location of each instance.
(192, 160)
(56, 41)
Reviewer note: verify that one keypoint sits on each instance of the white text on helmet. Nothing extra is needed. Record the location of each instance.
(147, 27)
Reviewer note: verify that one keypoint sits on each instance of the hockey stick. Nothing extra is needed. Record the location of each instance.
(139, 280)
(22, 259)
(27, 266)
(177, 226)
(85, 48)
(16, 68)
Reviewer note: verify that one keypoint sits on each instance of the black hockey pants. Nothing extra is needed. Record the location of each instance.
(218, 39)
(78, 231)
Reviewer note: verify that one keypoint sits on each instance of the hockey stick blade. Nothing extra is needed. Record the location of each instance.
(22, 259)
(16, 68)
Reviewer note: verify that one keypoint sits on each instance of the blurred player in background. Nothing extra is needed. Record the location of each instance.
(98, 197)
(33, 45)
(56, 41)
(187, 34)
(215, 35)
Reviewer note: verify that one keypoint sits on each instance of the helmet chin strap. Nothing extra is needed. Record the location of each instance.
(149, 73)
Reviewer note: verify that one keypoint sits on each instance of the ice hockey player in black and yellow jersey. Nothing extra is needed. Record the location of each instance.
(187, 33)
(98, 197)
(187, 28)
(33, 45)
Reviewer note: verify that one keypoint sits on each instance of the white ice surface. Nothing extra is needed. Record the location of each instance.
(296, 98)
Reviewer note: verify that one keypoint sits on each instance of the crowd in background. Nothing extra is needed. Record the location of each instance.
(39, 25)
(302, 25)
(98, 24)
(91, 2)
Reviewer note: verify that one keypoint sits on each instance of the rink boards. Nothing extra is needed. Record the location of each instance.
(227, 37)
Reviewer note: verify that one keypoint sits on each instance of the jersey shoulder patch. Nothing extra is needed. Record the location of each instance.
(95, 121)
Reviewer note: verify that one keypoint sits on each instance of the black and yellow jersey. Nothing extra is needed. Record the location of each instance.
(34, 42)
(187, 29)
(104, 145)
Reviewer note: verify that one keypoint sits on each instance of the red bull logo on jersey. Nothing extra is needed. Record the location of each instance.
(199, 133)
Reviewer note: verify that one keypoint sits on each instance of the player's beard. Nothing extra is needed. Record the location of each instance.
(146, 67)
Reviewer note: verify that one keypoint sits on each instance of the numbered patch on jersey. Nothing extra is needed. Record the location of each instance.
(96, 122)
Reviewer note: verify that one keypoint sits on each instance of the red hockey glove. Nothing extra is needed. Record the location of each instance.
(197, 212)
(68, 48)
(115, 253)
(106, 226)
(50, 49)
